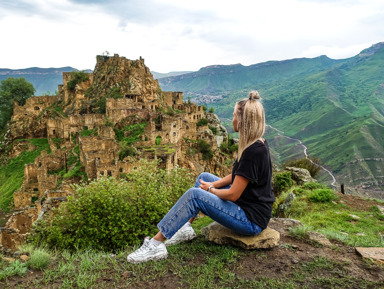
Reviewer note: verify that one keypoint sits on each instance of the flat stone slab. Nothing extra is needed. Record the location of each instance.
(221, 235)
(374, 253)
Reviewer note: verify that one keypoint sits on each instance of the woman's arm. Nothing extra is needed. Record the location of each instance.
(234, 192)
(226, 181)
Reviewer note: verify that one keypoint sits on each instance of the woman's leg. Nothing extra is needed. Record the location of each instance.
(194, 200)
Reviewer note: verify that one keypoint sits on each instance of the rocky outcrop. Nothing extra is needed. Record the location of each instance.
(300, 176)
(221, 235)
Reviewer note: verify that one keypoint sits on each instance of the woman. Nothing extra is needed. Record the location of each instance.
(241, 201)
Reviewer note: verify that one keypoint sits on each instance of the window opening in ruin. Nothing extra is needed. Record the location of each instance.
(158, 140)
(101, 173)
(174, 133)
(174, 124)
(109, 173)
(35, 189)
(194, 116)
(37, 108)
(39, 164)
(34, 199)
(187, 126)
(143, 106)
(174, 102)
(53, 131)
(121, 170)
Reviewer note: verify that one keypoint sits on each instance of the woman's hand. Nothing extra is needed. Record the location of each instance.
(205, 185)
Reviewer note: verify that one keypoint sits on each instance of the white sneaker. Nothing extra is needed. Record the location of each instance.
(184, 234)
(148, 251)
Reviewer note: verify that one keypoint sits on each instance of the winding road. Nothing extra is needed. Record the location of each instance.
(305, 153)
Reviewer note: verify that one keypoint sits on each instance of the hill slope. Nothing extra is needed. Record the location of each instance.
(336, 107)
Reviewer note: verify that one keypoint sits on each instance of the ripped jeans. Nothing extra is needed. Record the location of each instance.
(195, 199)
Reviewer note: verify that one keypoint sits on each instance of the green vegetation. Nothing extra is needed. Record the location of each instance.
(12, 174)
(202, 122)
(318, 209)
(109, 214)
(229, 147)
(77, 77)
(89, 132)
(13, 89)
(310, 164)
(131, 133)
(282, 181)
(205, 148)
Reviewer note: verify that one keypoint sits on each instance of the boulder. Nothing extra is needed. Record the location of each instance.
(300, 176)
(286, 205)
(221, 235)
(283, 224)
(319, 239)
(376, 254)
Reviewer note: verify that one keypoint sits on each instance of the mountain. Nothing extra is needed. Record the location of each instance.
(44, 80)
(158, 75)
(335, 107)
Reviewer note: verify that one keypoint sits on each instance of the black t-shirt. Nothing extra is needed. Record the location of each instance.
(257, 198)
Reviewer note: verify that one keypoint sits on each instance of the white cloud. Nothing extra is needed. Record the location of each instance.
(184, 35)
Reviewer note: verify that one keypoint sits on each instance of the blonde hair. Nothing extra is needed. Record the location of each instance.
(250, 121)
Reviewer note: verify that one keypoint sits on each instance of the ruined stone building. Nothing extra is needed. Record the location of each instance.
(81, 122)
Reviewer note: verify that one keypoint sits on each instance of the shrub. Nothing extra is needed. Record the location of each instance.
(126, 150)
(229, 147)
(77, 77)
(322, 195)
(211, 110)
(311, 164)
(282, 181)
(40, 259)
(109, 214)
(312, 186)
(205, 149)
(202, 122)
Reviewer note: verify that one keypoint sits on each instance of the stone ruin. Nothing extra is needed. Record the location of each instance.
(63, 117)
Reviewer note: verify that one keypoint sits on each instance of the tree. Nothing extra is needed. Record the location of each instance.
(12, 89)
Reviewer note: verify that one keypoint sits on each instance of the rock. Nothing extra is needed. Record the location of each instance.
(284, 207)
(221, 235)
(300, 175)
(283, 224)
(354, 217)
(319, 238)
(24, 258)
(376, 254)
(9, 259)
(381, 209)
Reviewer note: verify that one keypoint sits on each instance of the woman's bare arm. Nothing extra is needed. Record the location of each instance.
(234, 192)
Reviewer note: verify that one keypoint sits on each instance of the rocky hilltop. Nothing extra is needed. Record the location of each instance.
(101, 124)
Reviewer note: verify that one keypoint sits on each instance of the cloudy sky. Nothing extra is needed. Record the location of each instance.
(178, 35)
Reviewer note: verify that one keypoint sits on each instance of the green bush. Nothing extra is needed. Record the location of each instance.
(310, 164)
(126, 150)
(282, 181)
(40, 259)
(109, 214)
(205, 149)
(202, 122)
(322, 195)
(229, 147)
(312, 186)
(77, 77)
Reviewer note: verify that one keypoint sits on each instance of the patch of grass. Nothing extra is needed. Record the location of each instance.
(40, 259)
(13, 268)
(12, 174)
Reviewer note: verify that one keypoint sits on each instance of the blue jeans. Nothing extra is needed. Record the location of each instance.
(195, 199)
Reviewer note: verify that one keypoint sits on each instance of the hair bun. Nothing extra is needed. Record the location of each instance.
(254, 94)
